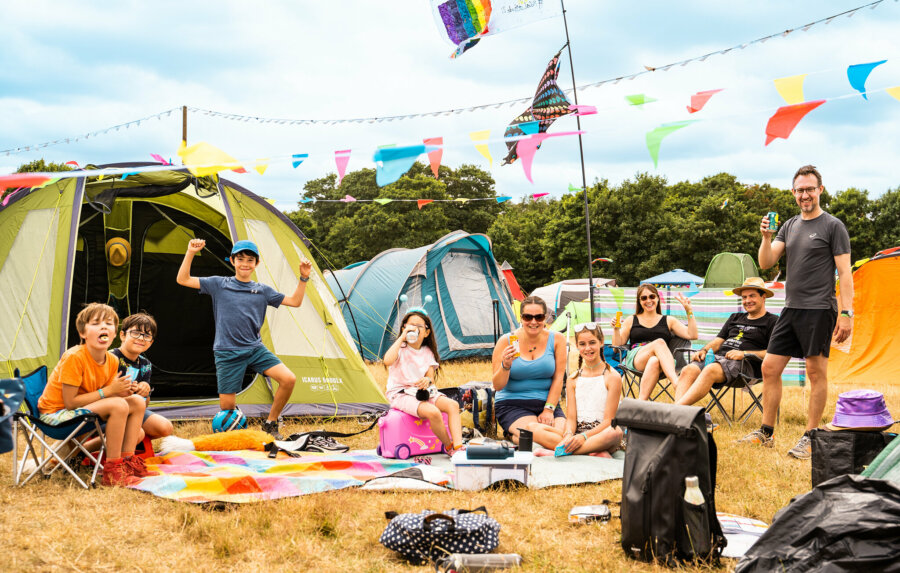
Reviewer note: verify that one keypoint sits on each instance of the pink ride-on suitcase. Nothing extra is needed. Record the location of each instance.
(401, 436)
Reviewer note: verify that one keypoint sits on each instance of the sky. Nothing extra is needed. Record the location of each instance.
(67, 69)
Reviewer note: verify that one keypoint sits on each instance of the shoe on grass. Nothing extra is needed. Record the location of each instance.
(760, 438)
(271, 428)
(139, 468)
(803, 449)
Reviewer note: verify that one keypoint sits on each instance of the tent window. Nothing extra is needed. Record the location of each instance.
(167, 238)
(470, 291)
(27, 277)
(295, 331)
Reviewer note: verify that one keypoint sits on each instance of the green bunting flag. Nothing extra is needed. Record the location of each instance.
(655, 137)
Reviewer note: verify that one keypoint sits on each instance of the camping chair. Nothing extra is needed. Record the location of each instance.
(615, 357)
(744, 382)
(631, 378)
(72, 436)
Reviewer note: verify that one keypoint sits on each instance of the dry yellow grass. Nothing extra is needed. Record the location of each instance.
(52, 525)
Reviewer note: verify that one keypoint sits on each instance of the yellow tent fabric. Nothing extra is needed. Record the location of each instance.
(874, 355)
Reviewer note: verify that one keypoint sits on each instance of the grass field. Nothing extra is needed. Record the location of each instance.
(52, 525)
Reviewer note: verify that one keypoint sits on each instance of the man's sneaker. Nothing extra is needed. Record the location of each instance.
(118, 474)
(758, 437)
(325, 445)
(803, 449)
(271, 428)
(139, 468)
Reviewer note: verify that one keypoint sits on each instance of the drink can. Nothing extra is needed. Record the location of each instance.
(773, 220)
(618, 323)
(514, 340)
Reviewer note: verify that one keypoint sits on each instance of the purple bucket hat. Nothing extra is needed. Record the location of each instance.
(861, 410)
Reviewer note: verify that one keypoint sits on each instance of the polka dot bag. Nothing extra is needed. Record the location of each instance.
(427, 536)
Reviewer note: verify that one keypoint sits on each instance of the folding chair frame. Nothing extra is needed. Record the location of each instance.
(746, 383)
(75, 432)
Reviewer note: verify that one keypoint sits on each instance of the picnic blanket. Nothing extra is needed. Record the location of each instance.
(244, 476)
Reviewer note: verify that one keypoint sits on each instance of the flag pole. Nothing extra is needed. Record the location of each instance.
(587, 210)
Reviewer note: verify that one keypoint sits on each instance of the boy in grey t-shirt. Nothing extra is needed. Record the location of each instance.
(816, 244)
(239, 308)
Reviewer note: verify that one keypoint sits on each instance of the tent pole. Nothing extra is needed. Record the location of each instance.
(184, 125)
(587, 210)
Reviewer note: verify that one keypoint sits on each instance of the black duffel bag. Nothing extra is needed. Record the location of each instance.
(427, 536)
(665, 444)
(837, 453)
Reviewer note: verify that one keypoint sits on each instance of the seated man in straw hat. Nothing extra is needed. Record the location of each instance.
(742, 334)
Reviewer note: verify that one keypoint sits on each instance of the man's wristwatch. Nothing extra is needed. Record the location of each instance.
(847, 313)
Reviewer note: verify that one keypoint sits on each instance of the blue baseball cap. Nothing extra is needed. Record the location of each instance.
(244, 246)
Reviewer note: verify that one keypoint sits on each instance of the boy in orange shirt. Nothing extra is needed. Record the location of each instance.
(86, 379)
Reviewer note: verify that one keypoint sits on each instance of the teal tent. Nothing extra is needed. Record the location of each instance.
(470, 299)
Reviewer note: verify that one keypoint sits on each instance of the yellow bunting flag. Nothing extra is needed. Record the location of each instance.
(894, 92)
(461, 199)
(791, 88)
(261, 165)
(203, 159)
(482, 148)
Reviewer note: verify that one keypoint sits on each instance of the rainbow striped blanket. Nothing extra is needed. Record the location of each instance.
(245, 476)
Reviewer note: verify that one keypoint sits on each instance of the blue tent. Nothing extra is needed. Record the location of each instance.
(676, 277)
(460, 275)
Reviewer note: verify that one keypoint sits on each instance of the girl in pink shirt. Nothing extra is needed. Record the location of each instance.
(412, 361)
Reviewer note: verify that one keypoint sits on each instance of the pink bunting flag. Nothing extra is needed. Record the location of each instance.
(434, 157)
(583, 109)
(786, 119)
(160, 158)
(348, 199)
(73, 164)
(422, 202)
(536, 196)
(341, 159)
(699, 99)
(528, 146)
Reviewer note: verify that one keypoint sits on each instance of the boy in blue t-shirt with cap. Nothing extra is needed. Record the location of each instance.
(239, 307)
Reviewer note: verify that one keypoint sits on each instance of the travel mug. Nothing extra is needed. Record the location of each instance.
(525, 440)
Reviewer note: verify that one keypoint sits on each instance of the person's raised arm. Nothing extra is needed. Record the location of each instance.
(769, 251)
(297, 298)
(620, 335)
(501, 362)
(844, 325)
(690, 331)
(184, 277)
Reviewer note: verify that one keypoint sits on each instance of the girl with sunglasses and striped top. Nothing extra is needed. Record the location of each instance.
(528, 380)
(648, 333)
(592, 397)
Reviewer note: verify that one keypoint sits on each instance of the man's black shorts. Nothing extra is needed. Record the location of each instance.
(803, 332)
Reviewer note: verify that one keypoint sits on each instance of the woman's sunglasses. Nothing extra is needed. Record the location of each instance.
(586, 326)
(530, 317)
(648, 297)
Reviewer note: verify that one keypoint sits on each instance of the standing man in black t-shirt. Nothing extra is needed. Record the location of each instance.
(815, 245)
(743, 334)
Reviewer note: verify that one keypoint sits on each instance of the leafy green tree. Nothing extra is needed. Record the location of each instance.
(886, 212)
(854, 208)
(517, 235)
(41, 166)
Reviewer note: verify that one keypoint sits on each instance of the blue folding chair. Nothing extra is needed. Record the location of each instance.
(72, 436)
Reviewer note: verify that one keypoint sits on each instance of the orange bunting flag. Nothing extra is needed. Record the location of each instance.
(22, 180)
(699, 99)
(422, 202)
(786, 119)
(434, 157)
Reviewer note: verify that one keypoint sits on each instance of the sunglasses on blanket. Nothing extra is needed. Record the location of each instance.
(585, 326)
(529, 317)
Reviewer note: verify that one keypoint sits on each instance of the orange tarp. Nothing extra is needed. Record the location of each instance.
(874, 354)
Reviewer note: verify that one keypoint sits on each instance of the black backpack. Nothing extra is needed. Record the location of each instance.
(665, 444)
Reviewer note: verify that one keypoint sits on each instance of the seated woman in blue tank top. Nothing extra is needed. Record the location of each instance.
(648, 333)
(528, 386)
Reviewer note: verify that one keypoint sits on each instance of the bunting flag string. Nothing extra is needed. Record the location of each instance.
(449, 112)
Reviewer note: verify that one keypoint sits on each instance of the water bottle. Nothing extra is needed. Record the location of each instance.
(476, 563)
(692, 493)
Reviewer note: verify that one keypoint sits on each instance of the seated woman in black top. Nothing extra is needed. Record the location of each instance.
(648, 334)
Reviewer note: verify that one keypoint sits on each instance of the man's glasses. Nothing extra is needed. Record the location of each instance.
(139, 335)
(807, 190)
(648, 297)
(585, 325)
(530, 317)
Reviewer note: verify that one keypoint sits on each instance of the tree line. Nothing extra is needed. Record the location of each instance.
(645, 225)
